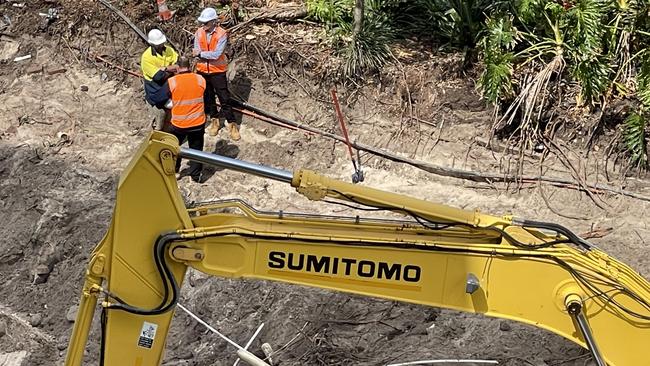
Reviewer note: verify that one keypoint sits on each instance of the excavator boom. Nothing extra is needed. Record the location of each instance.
(536, 273)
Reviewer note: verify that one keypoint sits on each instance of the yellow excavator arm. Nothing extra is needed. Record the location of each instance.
(533, 272)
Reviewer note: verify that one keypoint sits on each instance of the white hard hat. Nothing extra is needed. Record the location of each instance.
(156, 37)
(207, 15)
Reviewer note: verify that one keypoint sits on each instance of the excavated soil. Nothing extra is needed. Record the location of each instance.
(65, 137)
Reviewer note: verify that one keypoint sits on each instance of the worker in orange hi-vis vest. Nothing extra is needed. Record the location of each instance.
(187, 113)
(209, 44)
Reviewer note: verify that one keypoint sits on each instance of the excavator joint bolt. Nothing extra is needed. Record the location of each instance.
(168, 163)
(472, 284)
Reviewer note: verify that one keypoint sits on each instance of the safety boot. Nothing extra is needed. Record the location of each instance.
(215, 126)
(234, 131)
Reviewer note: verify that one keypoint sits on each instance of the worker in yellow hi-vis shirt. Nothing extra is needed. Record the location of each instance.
(158, 63)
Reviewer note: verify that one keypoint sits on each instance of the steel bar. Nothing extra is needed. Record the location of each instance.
(575, 310)
(236, 164)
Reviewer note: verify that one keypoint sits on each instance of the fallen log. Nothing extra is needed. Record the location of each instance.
(451, 172)
(276, 14)
(282, 13)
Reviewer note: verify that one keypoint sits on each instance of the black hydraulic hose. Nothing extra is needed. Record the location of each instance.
(558, 229)
(166, 304)
(102, 346)
(439, 225)
(166, 276)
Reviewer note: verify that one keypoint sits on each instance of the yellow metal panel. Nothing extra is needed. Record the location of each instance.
(529, 288)
(148, 205)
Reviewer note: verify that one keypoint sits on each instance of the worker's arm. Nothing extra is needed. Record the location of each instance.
(161, 75)
(148, 67)
(211, 55)
(535, 273)
(151, 68)
(174, 54)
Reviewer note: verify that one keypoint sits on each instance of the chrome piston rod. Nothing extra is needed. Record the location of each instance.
(235, 164)
(575, 310)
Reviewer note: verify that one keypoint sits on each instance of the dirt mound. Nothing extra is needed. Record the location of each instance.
(25, 342)
(53, 214)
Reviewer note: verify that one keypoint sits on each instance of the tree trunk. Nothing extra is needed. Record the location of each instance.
(358, 18)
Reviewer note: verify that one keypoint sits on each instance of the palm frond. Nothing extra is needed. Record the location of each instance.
(643, 81)
(370, 49)
(587, 18)
(634, 138)
(532, 98)
(496, 80)
(495, 83)
(593, 73)
(329, 12)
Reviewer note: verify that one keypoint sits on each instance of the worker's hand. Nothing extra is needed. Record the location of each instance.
(196, 52)
(172, 68)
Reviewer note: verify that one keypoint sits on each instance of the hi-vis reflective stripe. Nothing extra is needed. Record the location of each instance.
(218, 62)
(189, 101)
(172, 82)
(200, 79)
(221, 61)
(188, 116)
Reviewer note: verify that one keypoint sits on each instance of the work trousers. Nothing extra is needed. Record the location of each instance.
(194, 137)
(161, 117)
(217, 85)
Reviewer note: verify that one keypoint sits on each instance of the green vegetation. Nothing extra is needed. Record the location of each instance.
(368, 50)
(532, 53)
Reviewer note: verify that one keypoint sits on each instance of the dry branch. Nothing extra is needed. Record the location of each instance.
(99, 58)
(597, 233)
(128, 21)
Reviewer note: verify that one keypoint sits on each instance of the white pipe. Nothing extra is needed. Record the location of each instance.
(241, 352)
(22, 58)
(431, 362)
(250, 358)
(250, 341)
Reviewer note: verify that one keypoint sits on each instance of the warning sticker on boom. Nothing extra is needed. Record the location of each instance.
(147, 334)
